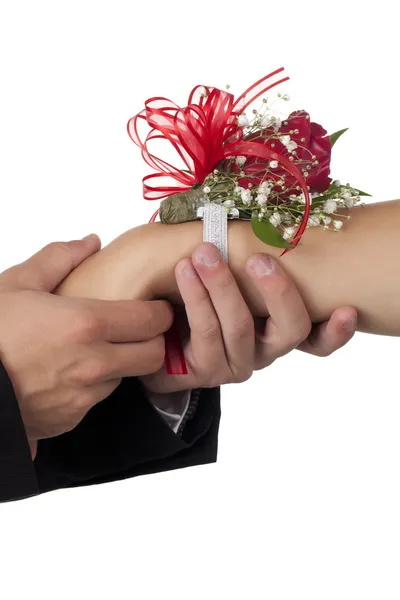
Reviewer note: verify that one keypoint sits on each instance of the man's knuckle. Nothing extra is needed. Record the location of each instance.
(242, 375)
(151, 319)
(83, 401)
(202, 295)
(58, 246)
(287, 344)
(289, 340)
(243, 327)
(97, 369)
(246, 376)
(225, 280)
(301, 334)
(216, 379)
(86, 325)
(88, 371)
(62, 250)
(210, 330)
(283, 287)
(323, 351)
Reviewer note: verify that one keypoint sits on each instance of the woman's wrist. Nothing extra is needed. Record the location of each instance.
(171, 243)
(140, 264)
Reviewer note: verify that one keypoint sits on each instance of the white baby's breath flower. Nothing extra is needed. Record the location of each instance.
(349, 202)
(240, 160)
(245, 195)
(277, 124)
(265, 188)
(275, 219)
(265, 121)
(290, 144)
(288, 233)
(336, 183)
(237, 190)
(338, 225)
(243, 121)
(261, 199)
(273, 164)
(286, 97)
(286, 219)
(330, 206)
(206, 189)
(348, 199)
(326, 220)
(313, 221)
(229, 203)
(301, 198)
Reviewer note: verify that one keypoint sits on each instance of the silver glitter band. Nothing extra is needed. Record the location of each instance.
(215, 227)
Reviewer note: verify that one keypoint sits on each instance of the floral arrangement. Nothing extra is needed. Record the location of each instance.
(272, 170)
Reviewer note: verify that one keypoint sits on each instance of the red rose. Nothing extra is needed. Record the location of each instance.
(311, 139)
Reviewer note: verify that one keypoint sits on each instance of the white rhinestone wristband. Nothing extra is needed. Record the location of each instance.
(215, 225)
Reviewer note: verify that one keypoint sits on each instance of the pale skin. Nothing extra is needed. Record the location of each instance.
(357, 266)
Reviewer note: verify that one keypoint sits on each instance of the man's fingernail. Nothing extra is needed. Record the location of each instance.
(207, 255)
(262, 266)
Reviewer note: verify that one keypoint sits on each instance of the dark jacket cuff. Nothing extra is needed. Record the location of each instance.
(17, 473)
(124, 436)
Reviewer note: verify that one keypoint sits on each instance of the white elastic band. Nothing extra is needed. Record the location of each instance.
(215, 227)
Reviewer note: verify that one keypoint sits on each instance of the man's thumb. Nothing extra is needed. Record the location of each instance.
(46, 269)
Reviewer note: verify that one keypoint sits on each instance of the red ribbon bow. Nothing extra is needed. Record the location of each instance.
(203, 133)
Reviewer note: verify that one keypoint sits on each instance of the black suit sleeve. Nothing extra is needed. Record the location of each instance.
(17, 473)
(121, 437)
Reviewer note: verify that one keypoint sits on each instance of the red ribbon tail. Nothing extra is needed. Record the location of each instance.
(175, 362)
(154, 217)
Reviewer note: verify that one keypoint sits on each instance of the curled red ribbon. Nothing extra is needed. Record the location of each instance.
(203, 133)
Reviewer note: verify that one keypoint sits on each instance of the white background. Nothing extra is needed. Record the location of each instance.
(304, 501)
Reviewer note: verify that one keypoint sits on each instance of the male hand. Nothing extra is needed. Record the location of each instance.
(226, 344)
(64, 355)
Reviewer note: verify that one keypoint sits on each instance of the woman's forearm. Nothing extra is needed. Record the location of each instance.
(358, 266)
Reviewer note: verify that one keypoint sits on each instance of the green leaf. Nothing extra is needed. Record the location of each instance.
(335, 136)
(333, 191)
(360, 193)
(267, 233)
(244, 214)
(328, 194)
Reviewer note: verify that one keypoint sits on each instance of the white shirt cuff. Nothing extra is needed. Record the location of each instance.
(172, 406)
